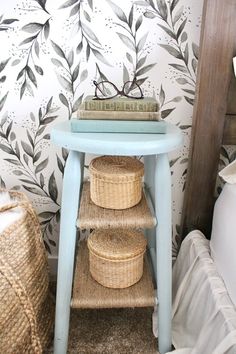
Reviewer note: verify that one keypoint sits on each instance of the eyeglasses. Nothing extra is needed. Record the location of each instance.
(106, 89)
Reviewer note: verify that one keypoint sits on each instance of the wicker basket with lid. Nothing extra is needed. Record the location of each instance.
(116, 181)
(116, 257)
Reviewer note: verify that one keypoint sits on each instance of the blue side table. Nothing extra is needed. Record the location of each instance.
(154, 148)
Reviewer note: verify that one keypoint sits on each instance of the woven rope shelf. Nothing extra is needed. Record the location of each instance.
(93, 216)
(87, 293)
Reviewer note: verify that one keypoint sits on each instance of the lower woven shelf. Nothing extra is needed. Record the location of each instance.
(87, 293)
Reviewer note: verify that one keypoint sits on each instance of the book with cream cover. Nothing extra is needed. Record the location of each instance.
(117, 115)
(146, 104)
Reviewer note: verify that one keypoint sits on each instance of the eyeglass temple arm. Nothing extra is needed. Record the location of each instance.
(103, 82)
(97, 87)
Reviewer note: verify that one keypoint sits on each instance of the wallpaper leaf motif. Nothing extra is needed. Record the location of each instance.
(2, 101)
(30, 166)
(118, 11)
(90, 42)
(163, 103)
(68, 3)
(174, 25)
(226, 157)
(3, 65)
(42, 4)
(27, 75)
(130, 27)
(101, 75)
(5, 23)
(68, 78)
(87, 37)
(136, 56)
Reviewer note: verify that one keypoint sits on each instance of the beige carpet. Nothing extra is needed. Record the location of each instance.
(111, 331)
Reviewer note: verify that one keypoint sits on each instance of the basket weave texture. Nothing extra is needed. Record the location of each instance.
(26, 316)
(116, 257)
(116, 181)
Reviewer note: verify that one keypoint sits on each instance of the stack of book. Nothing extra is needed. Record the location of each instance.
(118, 115)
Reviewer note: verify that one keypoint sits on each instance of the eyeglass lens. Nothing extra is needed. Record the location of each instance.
(105, 89)
(131, 89)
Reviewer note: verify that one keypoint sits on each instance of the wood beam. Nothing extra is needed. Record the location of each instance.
(217, 47)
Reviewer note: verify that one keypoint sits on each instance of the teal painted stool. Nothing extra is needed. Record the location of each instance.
(154, 148)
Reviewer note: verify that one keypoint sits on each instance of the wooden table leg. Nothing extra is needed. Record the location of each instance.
(163, 250)
(69, 209)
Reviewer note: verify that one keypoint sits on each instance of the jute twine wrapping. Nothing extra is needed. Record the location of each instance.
(88, 293)
(92, 216)
(116, 257)
(116, 181)
(26, 315)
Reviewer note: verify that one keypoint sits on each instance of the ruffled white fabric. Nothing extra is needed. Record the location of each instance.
(204, 318)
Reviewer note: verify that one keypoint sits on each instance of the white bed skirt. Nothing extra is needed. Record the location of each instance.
(204, 318)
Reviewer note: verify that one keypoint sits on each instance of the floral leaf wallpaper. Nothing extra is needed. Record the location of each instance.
(35, 33)
(6, 22)
(51, 53)
(135, 54)
(173, 22)
(29, 164)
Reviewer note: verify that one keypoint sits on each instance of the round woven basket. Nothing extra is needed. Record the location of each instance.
(116, 181)
(116, 257)
(26, 315)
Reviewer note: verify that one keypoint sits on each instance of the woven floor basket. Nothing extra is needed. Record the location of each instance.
(116, 257)
(116, 181)
(26, 309)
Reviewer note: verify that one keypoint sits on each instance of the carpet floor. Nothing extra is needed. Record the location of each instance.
(111, 331)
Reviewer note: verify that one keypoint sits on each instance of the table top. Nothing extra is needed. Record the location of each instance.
(117, 144)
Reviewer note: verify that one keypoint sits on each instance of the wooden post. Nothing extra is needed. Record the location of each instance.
(218, 42)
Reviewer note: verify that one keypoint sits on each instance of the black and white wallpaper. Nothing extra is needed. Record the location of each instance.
(51, 51)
